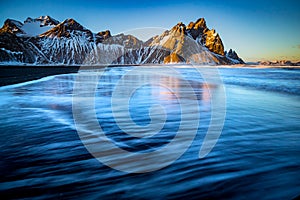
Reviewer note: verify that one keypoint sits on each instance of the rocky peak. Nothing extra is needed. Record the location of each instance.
(65, 28)
(47, 20)
(180, 24)
(128, 41)
(179, 29)
(213, 42)
(199, 31)
(12, 26)
(71, 24)
(104, 34)
(44, 21)
(199, 24)
(233, 55)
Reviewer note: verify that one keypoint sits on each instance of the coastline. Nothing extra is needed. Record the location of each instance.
(13, 74)
(17, 74)
(260, 66)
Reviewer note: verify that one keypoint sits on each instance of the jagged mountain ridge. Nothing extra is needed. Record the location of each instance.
(194, 43)
(69, 42)
(12, 26)
(43, 20)
(205, 36)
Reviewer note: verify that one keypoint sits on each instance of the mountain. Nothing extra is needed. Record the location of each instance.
(279, 63)
(232, 55)
(44, 40)
(30, 27)
(66, 29)
(12, 26)
(194, 43)
(43, 21)
(205, 36)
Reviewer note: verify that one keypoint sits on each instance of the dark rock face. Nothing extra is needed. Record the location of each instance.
(213, 42)
(69, 42)
(199, 31)
(103, 35)
(44, 21)
(233, 55)
(128, 41)
(66, 29)
(11, 26)
(19, 50)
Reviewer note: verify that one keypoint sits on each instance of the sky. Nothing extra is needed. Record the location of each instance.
(256, 30)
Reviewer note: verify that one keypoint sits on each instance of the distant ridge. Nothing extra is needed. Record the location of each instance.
(44, 40)
(279, 63)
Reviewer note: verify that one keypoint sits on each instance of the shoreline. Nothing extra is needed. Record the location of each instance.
(13, 74)
(17, 74)
(261, 66)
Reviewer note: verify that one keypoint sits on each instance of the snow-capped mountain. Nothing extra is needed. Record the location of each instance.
(30, 27)
(43, 21)
(44, 40)
(12, 26)
(37, 26)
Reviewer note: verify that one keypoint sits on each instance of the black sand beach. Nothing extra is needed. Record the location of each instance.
(12, 74)
(18, 74)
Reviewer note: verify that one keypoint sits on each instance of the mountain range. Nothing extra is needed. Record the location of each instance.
(44, 40)
(279, 63)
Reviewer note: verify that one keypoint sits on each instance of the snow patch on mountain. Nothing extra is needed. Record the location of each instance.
(34, 29)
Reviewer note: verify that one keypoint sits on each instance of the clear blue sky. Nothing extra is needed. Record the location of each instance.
(257, 30)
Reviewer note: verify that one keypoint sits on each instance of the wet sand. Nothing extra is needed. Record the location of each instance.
(18, 74)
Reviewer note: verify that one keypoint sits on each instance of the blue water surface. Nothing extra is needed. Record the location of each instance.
(256, 156)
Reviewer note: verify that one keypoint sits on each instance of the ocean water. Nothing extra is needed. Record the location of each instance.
(257, 154)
